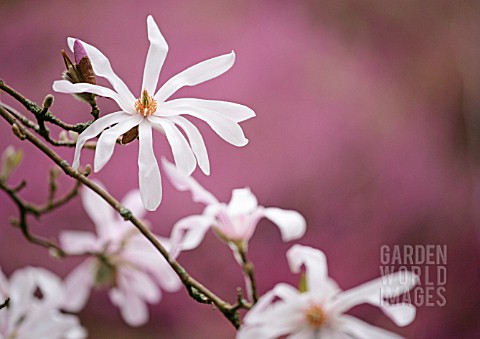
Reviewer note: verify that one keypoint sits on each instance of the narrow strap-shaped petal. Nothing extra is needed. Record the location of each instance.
(155, 57)
(242, 202)
(230, 110)
(77, 242)
(373, 293)
(184, 182)
(227, 129)
(292, 224)
(102, 68)
(315, 263)
(101, 213)
(93, 130)
(188, 233)
(78, 284)
(196, 142)
(282, 291)
(148, 172)
(196, 74)
(133, 201)
(182, 152)
(106, 142)
(64, 86)
(362, 330)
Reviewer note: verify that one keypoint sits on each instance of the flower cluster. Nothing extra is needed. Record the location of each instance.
(121, 260)
(33, 298)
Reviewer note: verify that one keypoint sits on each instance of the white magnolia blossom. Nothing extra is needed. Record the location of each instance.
(33, 309)
(152, 110)
(234, 222)
(319, 312)
(125, 262)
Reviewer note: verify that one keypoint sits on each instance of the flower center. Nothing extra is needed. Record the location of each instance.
(315, 316)
(145, 105)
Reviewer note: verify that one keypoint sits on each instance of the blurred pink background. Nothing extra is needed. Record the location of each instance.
(368, 123)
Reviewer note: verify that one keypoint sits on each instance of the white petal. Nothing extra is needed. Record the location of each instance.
(155, 56)
(292, 224)
(148, 172)
(64, 86)
(184, 182)
(77, 242)
(196, 142)
(106, 142)
(142, 285)
(78, 285)
(315, 264)
(182, 153)
(362, 330)
(188, 233)
(230, 110)
(101, 213)
(94, 129)
(196, 74)
(133, 309)
(373, 292)
(102, 68)
(242, 202)
(50, 286)
(227, 129)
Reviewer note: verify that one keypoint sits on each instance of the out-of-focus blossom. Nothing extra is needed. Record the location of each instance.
(35, 296)
(122, 260)
(319, 312)
(234, 222)
(150, 110)
(11, 159)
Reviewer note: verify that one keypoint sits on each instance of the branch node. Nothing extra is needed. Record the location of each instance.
(125, 213)
(18, 131)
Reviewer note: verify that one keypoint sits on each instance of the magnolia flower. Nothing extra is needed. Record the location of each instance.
(35, 296)
(234, 222)
(138, 115)
(122, 261)
(319, 312)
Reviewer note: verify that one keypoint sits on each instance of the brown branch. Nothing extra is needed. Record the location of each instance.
(198, 291)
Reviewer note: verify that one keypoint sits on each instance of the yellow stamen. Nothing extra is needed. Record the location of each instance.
(315, 316)
(145, 105)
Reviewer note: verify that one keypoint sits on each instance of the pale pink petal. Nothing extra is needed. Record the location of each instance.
(229, 130)
(315, 264)
(373, 292)
(78, 285)
(77, 242)
(182, 153)
(94, 129)
(148, 172)
(230, 110)
(133, 309)
(141, 284)
(362, 330)
(292, 224)
(184, 182)
(155, 56)
(102, 68)
(188, 233)
(242, 202)
(196, 74)
(196, 142)
(305, 332)
(106, 142)
(64, 86)
(133, 201)
(142, 254)
(101, 213)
